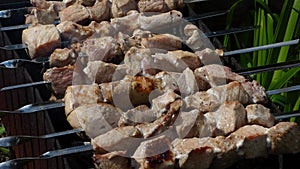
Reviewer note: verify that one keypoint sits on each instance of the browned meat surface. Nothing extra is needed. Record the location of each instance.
(248, 137)
(216, 75)
(284, 138)
(41, 40)
(113, 160)
(77, 95)
(167, 42)
(104, 49)
(103, 28)
(161, 103)
(62, 57)
(159, 5)
(255, 91)
(193, 153)
(100, 11)
(260, 115)
(41, 16)
(97, 119)
(189, 58)
(120, 8)
(155, 153)
(43, 4)
(202, 101)
(73, 32)
(229, 117)
(76, 13)
(60, 79)
(100, 72)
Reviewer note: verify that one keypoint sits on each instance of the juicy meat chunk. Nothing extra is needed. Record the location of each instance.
(193, 153)
(104, 49)
(228, 118)
(103, 28)
(159, 5)
(41, 16)
(76, 13)
(209, 56)
(189, 58)
(77, 95)
(216, 75)
(260, 115)
(41, 40)
(202, 101)
(100, 72)
(155, 153)
(256, 91)
(62, 57)
(284, 138)
(162, 41)
(112, 160)
(100, 11)
(120, 139)
(161, 103)
(120, 8)
(60, 79)
(73, 32)
(127, 24)
(248, 137)
(97, 119)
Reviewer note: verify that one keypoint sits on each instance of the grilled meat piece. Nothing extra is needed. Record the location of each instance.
(100, 72)
(137, 115)
(248, 137)
(193, 153)
(120, 139)
(60, 79)
(120, 8)
(97, 119)
(202, 101)
(41, 40)
(41, 16)
(159, 5)
(43, 4)
(255, 91)
(216, 75)
(155, 153)
(284, 138)
(112, 160)
(102, 29)
(62, 57)
(73, 32)
(209, 56)
(162, 41)
(76, 13)
(160, 104)
(100, 11)
(77, 95)
(260, 115)
(104, 49)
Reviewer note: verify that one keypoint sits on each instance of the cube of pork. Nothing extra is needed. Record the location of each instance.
(97, 119)
(77, 95)
(60, 79)
(100, 72)
(73, 32)
(162, 41)
(112, 160)
(161, 103)
(229, 117)
(100, 11)
(120, 8)
(260, 115)
(159, 5)
(41, 40)
(216, 75)
(284, 138)
(250, 140)
(255, 91)
(103, 28)
(193, 153)
(155, 154)
(41, 16)
(202, 101)
(76, 13)
(62, 57)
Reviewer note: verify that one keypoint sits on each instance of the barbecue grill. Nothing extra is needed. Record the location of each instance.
(51, 121)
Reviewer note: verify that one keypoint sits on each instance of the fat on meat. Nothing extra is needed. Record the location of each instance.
(97, 119)
(73, 32)
(41, 40)
(284, 138)
(60, 78)
(76, 13)
(77, 95)
(100, 11)
(155, 153)
(260, 115)
(120, 8)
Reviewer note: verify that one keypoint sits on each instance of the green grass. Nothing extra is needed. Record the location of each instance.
(274, 27)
